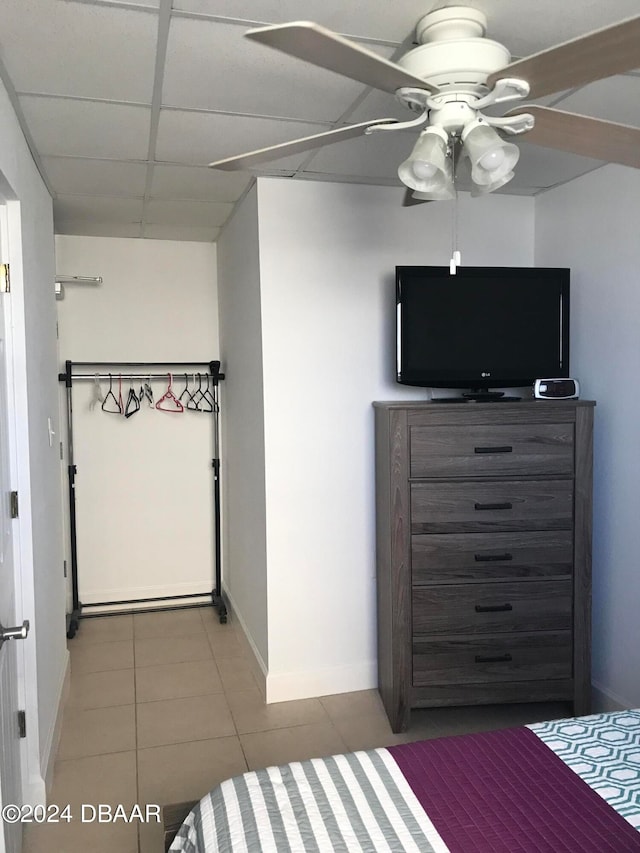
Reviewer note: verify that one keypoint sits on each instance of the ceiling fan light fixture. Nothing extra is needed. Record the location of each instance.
(428, 167)
(492, 158)
(485, 189)
(446, 193)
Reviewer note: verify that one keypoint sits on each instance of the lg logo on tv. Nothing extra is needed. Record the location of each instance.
(485, 373)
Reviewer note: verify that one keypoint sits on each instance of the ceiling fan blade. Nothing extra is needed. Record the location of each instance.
(601, 53)
(322, 47)
(590, 137)
(297, 146)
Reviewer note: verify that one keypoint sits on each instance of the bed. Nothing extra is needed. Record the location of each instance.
(566, 786)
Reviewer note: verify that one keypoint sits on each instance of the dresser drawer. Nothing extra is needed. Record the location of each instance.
(450, 557)
(499, 657)
(492, 607)
(485, 450)
(466, 507)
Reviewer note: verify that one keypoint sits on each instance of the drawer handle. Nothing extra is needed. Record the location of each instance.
(505, 505)
(492, 558)
(494, 658)
(502, 449)
(493, 608)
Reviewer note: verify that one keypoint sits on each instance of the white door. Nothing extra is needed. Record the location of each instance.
(10, 654)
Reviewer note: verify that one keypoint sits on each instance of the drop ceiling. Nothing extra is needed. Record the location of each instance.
(124, 102)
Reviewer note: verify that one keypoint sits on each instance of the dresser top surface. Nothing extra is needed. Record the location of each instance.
(431, 405)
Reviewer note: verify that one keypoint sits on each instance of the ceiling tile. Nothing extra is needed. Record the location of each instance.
(614, 99)
(87, 128)
(97, 209)
(62, 48)
(181, 232)
(523, 28)
(190, 182)
(388, 21)
(95, 177)
(526, 28)
(194, 138)
(197, 213)
(83, 228)
(211, 66)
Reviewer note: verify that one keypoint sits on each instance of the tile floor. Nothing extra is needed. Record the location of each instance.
(163, 706)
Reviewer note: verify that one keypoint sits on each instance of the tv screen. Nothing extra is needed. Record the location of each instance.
(482, 328)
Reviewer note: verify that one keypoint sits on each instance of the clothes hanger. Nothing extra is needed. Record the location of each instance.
(169, 402)
(133, 403)
(199, 395)
(148, 393)
(207, 399)
(185, 393)
(97, 395)
(116, 407)
(192, 403)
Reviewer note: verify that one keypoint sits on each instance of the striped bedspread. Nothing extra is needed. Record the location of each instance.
(569, 786)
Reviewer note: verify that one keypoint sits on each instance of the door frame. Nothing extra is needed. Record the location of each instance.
(32, 783)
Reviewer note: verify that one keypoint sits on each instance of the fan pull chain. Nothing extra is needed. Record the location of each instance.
(456, 260)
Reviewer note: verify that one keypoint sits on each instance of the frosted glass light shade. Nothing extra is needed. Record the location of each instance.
(428, 168)
(483, 189)
(491, 157)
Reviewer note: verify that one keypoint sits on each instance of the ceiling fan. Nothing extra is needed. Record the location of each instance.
(449, 80)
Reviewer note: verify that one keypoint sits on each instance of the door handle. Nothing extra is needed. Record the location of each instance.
(19, 632)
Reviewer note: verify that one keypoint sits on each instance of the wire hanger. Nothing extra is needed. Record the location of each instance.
(114, 408)
(169, 402)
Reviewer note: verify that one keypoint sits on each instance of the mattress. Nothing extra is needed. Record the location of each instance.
(567, 786)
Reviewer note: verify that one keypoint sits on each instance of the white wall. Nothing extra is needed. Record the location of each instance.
(244, 543)
(144, 484)
(37, 476)
(327, 262)
(591, 225)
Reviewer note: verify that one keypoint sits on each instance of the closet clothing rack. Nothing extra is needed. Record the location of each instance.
(70, 376)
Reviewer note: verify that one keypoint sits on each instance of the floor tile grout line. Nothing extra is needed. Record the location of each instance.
(135, 724)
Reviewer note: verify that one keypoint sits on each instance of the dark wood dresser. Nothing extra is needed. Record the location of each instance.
(483, 553)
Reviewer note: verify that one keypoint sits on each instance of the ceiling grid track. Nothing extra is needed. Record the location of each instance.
(164, 21)
(15, 103)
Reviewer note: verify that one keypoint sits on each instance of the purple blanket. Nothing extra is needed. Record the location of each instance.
(507, 792)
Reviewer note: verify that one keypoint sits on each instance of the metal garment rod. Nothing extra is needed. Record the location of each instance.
(153, 376)
(177, 368)
(144, 363)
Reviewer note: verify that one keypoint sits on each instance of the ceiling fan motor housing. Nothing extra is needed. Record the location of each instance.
(453, 55)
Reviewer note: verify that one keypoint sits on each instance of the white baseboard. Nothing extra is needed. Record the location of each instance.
(604, 700)
(203, 587)
(53, 736)
(259, 668)
(36, 787)
(283, 687)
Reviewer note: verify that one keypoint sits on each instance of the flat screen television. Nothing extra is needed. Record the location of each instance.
(482, 328)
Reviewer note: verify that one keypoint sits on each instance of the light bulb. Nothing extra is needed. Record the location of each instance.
(492, 159)
(422, 169)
